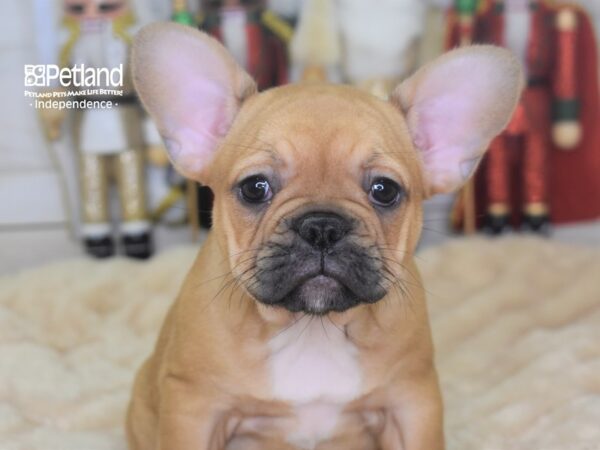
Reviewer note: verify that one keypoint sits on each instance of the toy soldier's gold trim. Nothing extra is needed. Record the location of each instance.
(127, 169)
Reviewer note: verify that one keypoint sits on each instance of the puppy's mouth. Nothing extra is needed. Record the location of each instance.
(320, 294)
(304, 280)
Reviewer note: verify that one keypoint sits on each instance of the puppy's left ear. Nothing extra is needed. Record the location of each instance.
(193, 89)
(455, 106)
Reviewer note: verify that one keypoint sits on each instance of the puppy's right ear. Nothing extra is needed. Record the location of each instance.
(192, 87)
(455, 106)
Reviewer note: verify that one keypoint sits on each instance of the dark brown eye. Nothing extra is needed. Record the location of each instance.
(256, 189)
(76, 8)
(109, 7)
(385, 192)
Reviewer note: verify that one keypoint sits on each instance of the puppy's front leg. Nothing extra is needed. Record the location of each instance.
(179, 431)
(416, 422)
(189, 420)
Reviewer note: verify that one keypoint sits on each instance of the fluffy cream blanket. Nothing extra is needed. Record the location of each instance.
(516, 322)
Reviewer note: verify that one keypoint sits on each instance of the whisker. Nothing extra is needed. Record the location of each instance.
(286, 328)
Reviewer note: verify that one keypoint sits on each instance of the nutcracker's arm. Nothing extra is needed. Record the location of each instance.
(566, 129)
(52, 119)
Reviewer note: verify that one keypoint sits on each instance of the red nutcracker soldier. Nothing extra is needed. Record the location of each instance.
(257, 39)
(545, 166)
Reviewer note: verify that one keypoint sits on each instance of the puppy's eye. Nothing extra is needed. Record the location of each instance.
(108, 7)
(76, 8)
(256, 189)
(385, 192)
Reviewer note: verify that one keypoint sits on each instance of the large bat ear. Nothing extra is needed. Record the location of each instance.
(455, 106)
(192, 88)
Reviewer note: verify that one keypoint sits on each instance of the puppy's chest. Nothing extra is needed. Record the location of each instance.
(315, 368)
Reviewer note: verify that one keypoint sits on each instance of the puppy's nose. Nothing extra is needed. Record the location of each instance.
(322, 229)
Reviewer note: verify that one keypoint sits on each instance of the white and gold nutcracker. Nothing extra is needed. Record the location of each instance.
(110, 141)
(373, 45)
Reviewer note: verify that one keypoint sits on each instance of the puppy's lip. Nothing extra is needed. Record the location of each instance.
(320, 279)
(323, 281)
(320, 295)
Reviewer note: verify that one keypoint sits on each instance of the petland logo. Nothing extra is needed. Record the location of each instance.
(76, 87)
(79, 76)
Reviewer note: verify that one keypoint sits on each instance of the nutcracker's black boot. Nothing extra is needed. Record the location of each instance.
(536, 223)
(99, 247)
(139, 246)
(496, 223)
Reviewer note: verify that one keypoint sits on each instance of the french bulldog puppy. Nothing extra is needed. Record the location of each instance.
(303, 322)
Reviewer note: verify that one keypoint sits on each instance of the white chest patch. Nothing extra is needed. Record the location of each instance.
(315, 368)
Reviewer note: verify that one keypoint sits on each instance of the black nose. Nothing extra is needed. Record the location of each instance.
(321, 229)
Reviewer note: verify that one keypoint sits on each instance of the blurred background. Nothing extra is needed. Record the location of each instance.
(97, 182)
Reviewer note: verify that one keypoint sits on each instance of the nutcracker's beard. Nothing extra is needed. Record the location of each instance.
(94, 25)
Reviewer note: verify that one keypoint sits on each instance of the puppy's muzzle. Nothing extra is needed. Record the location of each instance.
(317, 263)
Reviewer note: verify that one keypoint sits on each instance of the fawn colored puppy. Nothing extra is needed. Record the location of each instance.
(303, 322)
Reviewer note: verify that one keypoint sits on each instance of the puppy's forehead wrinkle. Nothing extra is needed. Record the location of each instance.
(381, 163)
(321, 105)
(341, 127)
(288, 123)
(242, 143)
(264, 162)
(273, 155)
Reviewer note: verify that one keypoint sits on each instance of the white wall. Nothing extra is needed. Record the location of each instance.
(29, 184)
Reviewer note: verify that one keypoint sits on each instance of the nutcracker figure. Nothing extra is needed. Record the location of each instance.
(257, 39)
(255, 36)
(544, 167)
(109, 140)
(371, 45)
